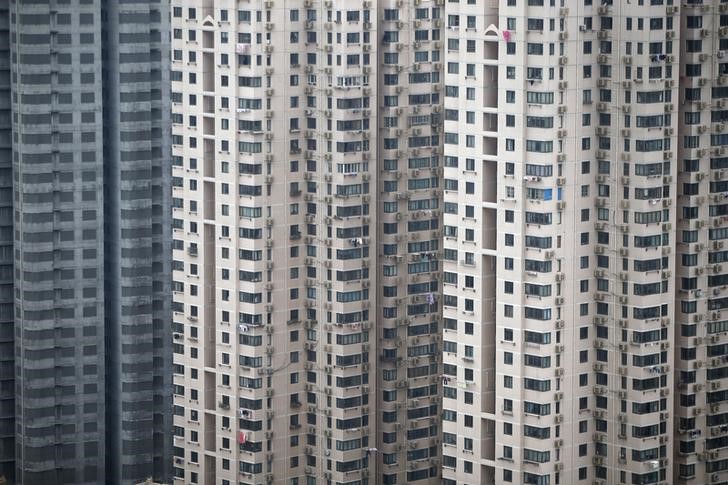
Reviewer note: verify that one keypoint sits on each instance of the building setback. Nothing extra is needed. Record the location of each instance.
(84, 147)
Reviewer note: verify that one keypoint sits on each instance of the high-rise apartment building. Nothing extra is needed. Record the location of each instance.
(584, 152)
(578, 308)
(306, 172)
(85, 303)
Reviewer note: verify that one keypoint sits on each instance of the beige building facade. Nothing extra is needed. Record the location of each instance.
(306, 234)
(583, 151)
(449, 242)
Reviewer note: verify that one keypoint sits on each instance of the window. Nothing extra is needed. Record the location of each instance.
(534, 97)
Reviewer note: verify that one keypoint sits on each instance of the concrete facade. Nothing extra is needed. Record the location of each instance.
(482, 238)
(306, 236)
(583, 231)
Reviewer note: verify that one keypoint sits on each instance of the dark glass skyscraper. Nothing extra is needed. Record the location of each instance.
(85, 207)
(7, 371)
